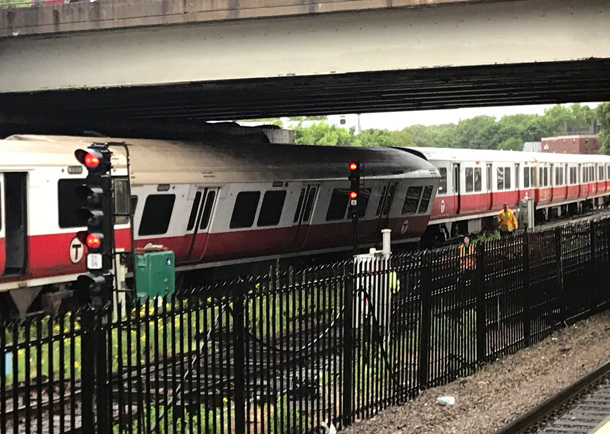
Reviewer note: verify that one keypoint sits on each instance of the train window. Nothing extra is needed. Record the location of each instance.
(271, 209)
(557, 176)
(572, 175)
(69, 203)
(526, 177)
(363, 201)
(425, 200)
(546, 176)
(469, 180)
(541, 177)
(194, 211)
(412, 200)
(500, 178)
(532, 177)
(207, 209)
(389, 199)
(442, 186)
(507, 178)
(134, 204)
(477, 179)
(311, 197)
(601, 173)
(608, 170)
(338, 204)
(245, 209)
(297, 214)
(381, 200)
(157, 213)
(121, 200)
(489, 176)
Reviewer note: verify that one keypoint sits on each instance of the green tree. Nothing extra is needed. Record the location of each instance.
(14, 4)
(603, 117)
(321, 133)
(375, 137)
(511, 144)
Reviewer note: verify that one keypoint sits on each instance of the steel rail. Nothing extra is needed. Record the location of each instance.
(555, 402)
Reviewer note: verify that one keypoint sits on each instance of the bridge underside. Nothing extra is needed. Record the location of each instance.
(466, 55)
(131, 108)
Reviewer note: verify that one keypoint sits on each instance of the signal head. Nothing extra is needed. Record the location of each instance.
(353, 194)
(90, 158)
(353, 165)
(92, 240)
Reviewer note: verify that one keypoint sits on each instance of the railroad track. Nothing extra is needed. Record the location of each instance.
(32, 413)
(577, 409)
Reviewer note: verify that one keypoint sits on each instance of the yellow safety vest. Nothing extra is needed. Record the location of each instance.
(507, 221)
(467, 255)
(393, 282)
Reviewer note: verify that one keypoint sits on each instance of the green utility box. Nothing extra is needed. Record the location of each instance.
(155, 273)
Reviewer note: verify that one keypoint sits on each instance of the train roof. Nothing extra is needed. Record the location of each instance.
(488, 155)
(167, 162)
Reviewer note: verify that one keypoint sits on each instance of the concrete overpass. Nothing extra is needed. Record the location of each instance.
(226, 59)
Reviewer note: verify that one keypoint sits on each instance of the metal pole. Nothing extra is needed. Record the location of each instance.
(348, 347)
(355, 233)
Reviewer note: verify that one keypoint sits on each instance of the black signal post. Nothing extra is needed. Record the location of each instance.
(354, 195)
(97, 214)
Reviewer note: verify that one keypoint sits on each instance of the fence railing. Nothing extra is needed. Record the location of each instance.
(288, 352)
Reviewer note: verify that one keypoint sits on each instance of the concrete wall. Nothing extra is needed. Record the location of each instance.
(113, 14)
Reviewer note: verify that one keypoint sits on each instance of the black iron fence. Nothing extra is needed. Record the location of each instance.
(295, 351)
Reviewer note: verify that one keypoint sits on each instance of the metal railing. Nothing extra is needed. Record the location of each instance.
(289, 352)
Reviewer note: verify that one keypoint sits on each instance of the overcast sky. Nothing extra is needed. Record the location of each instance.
(400, 120)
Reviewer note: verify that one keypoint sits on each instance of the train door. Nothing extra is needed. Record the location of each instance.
(15, 228)
(456, 188)
(385, 204)
(199, 221)
(488, 187)
(302, 216)
(1, 221)
(517, 183)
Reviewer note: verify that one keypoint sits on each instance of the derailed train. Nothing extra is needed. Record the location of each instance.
(221, 203)
(213, 204)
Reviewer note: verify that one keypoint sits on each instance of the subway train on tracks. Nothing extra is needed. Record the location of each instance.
(476, 183)
(213, 204)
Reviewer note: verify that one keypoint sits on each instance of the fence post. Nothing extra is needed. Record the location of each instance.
(479, 278)
(348, 340)
(426, 319)
(595, 287)
(239, 359)
(526, 289)
(101, 371)
(559, 266)
(87, 370)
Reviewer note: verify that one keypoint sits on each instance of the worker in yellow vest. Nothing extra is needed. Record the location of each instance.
(467, 266)
(393, 282)
(507, 223)
(467, 254)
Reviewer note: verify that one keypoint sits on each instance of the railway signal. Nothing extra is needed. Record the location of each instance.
(354, 192)
(97, 214)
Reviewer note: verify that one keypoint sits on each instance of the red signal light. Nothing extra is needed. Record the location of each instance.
(93, 241)
(353, 195)
(91, 161)
(353, 166)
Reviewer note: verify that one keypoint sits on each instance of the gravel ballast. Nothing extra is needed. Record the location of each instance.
(501, 391)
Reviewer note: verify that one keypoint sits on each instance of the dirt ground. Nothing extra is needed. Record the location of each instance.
(501, 391)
